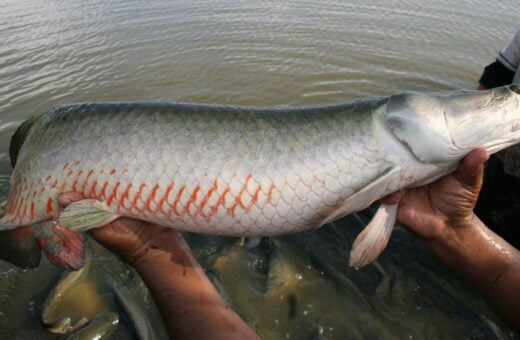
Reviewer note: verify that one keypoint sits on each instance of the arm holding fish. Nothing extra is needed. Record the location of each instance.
(442, 214)
(187, 300)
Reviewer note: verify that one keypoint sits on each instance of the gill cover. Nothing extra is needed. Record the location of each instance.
(418, 121)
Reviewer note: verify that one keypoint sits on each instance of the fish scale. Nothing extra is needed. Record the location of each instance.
(242, 171)
(226, 170)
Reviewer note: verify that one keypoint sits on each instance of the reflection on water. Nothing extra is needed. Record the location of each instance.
(264, 52)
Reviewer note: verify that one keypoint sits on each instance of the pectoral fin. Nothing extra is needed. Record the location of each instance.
(364, 197)
(86, 214)
(374, 238)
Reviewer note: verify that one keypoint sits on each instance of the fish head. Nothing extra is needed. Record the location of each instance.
(444, 127)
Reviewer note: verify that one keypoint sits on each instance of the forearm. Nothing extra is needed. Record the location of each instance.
(488, 262)
(190, 305)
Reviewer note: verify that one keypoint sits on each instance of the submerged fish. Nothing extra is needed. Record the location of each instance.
(91, 299)
(243, 171)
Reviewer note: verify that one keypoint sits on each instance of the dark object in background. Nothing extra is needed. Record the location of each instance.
(499, 203)
(495, 75)
(20, 247)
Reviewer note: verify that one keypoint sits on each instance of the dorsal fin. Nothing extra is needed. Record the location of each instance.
(19, 137)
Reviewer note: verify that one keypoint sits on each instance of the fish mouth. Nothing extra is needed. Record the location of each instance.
(503, 143)
(511, 138)
(514, 88)
(492, 146)
(486, 119)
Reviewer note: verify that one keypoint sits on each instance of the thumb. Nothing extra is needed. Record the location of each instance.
(69, 197)
(471, 170)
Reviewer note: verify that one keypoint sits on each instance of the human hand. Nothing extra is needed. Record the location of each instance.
(128, 238)
(431, 210)
(188, 302)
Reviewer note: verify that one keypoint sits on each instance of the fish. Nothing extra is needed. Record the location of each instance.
(102, 289)
(245, 171)
(74, 301)
(99, 328)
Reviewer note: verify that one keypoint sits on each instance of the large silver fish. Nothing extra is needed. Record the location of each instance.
(248, 171)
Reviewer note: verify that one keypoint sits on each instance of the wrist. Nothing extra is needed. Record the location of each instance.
(452, 232)
(471, 248)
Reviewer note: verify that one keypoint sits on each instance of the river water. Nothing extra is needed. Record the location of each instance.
(266, 52)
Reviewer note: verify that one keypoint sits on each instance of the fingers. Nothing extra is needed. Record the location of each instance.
(69, 197)
(471, 169)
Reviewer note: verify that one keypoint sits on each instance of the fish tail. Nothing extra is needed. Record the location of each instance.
(22, 245)
(62, 247)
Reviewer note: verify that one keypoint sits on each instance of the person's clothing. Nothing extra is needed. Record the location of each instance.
(510, 56)
(504, 70)
(495, 75)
